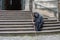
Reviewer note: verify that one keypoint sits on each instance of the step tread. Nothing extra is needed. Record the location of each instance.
(15, 29)
(58, 30)
(51, 27)
(17, 32)
(30, 31)
(8, 26)
(51, 24)
(49, 20)
(1, 26)
(16, 23)
(16, 20)
(13, 15)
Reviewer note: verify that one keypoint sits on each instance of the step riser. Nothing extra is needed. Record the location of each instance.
(15, 15)
(29, 20)
(16, 29)
(17, 23)
(52, 25)
(51, 22)
(18, 32)
(13, 20)
(51, 29)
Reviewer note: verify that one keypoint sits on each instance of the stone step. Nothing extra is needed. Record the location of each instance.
(18, 32)
(51, 25)
(25, 20)
(51, 28)
(13, 15)
(24, 32)
(51, 22)
(58, 30)
(15, 18)
(16, 26)
(16, 23)
(45, 17)
(14, 11)
(11, 11)
(16, 29)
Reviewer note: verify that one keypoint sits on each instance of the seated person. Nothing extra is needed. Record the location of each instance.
(38, 19)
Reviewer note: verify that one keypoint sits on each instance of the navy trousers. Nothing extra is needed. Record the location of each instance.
(38, 26)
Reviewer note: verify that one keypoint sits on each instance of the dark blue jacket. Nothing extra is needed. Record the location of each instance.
(38, 19)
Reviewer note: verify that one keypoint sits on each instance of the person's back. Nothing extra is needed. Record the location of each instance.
(38, 21)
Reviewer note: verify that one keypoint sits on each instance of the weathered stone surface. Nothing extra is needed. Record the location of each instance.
(32, 37)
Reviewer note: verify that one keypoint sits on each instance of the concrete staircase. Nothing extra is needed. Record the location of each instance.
(16, 22)
(22, 22)
(51, 25)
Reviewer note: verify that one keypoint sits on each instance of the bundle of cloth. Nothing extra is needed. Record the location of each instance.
(38, 19)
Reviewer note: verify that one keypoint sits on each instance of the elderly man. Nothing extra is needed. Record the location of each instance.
(38, 19)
